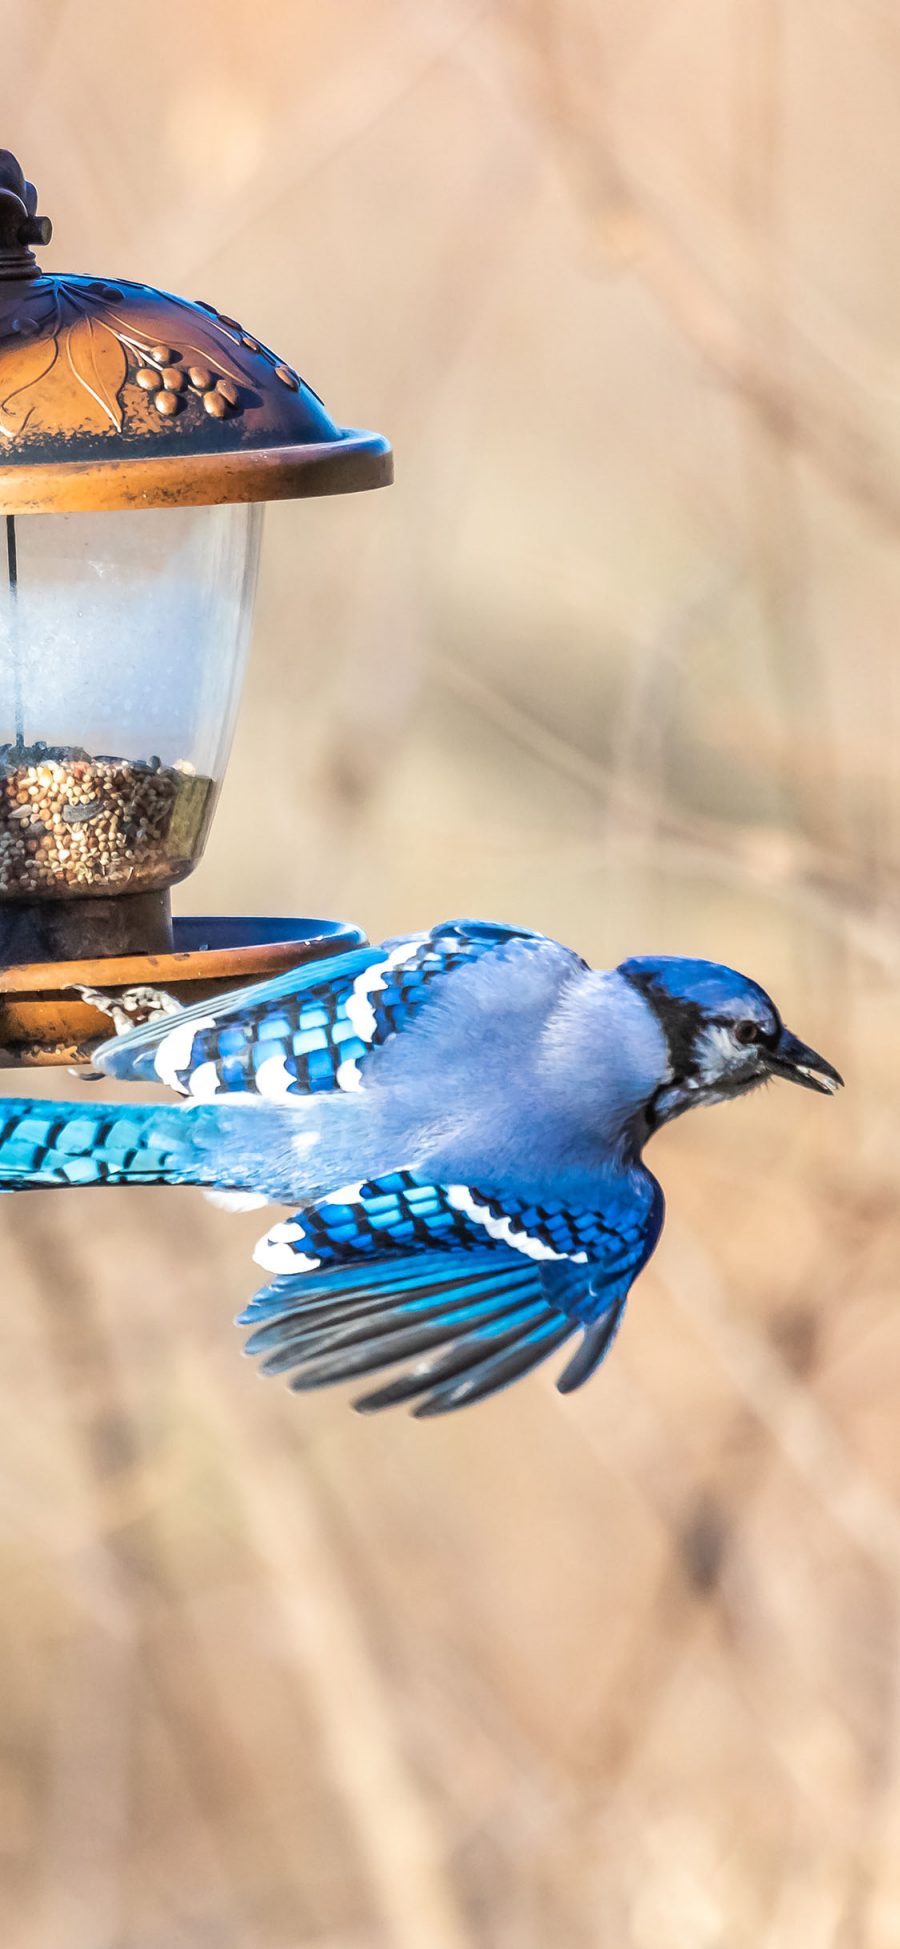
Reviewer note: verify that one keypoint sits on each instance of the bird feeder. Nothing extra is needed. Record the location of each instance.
(140, 436)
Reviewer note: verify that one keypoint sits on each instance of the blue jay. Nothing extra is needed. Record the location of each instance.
(459, 1120)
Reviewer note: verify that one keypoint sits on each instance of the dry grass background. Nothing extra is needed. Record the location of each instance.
(615, 658)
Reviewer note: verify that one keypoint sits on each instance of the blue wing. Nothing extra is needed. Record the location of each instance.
(307, 1030)
(476, 1290)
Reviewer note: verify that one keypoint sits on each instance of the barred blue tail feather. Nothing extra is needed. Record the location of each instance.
(247, 1146)
(43, 1144)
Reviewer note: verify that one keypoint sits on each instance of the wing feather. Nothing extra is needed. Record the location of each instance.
(404, 1271)
(309, 1029)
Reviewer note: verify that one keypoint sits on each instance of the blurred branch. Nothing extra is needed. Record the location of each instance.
(702, 1530)
(90, 1809)
(129, 1564)
(331, 127)
(774, 510)
(325, 1643)
(801, 1430)
(828, 885)
(798, 409)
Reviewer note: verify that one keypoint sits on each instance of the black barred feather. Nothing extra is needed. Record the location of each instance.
(439, 1322)
(319, 1367)
(488, 1376)
(594, 1348)
(345, 1325)
(461, 1357)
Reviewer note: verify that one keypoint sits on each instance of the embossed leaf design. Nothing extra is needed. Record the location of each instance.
(98, 359)
(23, 369)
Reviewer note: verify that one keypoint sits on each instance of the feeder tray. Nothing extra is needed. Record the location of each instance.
(140, 435)
(45, 1021)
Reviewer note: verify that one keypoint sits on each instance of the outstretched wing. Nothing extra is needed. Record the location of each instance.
(473, 1289)
(309, 1029)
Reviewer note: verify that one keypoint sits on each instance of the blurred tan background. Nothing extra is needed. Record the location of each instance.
(616, 658)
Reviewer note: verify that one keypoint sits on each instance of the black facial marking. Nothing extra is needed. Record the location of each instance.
(680, 1020)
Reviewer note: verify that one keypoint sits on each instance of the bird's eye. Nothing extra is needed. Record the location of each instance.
(747, 1032)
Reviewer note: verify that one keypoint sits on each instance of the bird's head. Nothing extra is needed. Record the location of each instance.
(723, 1034)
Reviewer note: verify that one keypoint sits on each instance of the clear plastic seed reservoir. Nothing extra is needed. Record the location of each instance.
(141, 434)
(123, 642)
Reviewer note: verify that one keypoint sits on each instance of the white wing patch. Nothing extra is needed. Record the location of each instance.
(347, 1076)
(360, 1013)
(273, 1078)
(275, 1252)
(174, 1054)
(501, 1229)
(203, 1083)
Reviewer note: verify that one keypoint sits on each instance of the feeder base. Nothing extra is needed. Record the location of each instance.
(86, 928)
(45, 1022)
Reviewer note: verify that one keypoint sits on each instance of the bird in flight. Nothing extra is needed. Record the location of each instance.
(457, 1120)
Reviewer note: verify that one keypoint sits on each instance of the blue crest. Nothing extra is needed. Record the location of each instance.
(703, 985)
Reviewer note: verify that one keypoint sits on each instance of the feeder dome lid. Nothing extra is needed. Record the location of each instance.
(115, 395)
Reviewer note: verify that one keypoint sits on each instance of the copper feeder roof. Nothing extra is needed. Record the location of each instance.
(115, 395)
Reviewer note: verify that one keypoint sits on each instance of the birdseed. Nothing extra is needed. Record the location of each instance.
(75, 824)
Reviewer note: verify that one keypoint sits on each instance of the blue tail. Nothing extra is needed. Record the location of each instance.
(45, 1143)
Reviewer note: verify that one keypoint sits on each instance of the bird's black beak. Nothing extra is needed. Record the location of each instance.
(800, 1064)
